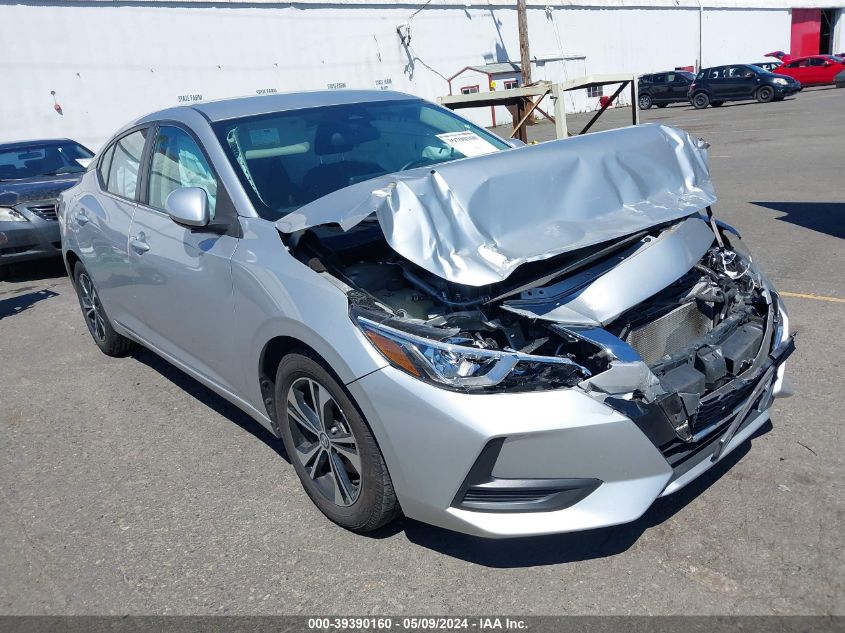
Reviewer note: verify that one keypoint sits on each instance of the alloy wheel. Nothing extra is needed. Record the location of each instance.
(92, 307)
(323, 441)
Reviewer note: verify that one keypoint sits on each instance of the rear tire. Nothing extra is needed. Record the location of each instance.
(110, 342)
(645, 102)
(332, 451)
(700, 101)
(765, 94)
(717, 104)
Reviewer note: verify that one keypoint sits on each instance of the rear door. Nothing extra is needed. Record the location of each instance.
(185, 292)
(658, 88)
(101, 221)
(677, 85)
(719, 83)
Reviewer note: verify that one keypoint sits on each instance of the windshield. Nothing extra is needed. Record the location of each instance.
(43, 159)
(287, 159)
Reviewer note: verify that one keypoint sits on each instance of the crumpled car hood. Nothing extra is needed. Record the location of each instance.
(474, 221)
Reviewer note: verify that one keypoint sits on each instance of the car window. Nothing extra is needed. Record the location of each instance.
(816, 61)
(123, 170)
(659, 79)
(179, 162)
(670, 77)
(105, 165)
(287, 159)
(46, 158)
(715, 73)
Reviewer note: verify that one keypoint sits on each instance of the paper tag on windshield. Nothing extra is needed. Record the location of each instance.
(467, 143)
(264, 136)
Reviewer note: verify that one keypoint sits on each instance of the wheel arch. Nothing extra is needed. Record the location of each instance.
(71, 259)
(272, 353)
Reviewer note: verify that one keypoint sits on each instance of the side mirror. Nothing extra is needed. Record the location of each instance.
(828, 63)
(188, 206)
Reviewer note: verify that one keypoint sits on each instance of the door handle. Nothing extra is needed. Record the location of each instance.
(139, 244)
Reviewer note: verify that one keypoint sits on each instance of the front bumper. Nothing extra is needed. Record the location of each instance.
(433, 439)
(37, 238)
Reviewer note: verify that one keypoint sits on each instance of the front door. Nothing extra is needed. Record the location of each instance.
(739, 82)
(184, 291)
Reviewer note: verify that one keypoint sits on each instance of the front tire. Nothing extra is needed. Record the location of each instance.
(645, 102)
(110, 342)
(700, 101)
(765, 94)
(331, 446)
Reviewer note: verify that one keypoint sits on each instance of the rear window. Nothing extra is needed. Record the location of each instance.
(43, 159)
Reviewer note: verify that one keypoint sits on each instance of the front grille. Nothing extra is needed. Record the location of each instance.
(669, 333)
(44, 211)
(508, 496)
(712, 410)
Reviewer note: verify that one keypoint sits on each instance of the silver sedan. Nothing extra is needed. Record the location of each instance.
(496, 339)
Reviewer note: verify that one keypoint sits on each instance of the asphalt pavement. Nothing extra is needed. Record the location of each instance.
(126, 487)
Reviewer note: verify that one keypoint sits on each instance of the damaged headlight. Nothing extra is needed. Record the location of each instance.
(469, 368)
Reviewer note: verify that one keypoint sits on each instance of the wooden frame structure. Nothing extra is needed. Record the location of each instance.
(526, 100)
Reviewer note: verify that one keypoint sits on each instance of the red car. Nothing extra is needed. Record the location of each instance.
(813, 70)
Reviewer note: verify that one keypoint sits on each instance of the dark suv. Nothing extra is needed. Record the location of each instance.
(661, 89)
(714, 86)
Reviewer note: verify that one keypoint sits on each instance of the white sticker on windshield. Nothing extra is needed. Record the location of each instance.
(83, 162)
(264, 136)
(467, 143)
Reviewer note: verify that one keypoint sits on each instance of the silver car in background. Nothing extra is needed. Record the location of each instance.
(499, 340)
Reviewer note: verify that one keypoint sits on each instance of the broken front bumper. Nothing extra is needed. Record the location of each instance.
(596, 465)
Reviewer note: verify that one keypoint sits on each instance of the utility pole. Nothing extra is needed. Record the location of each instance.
(524, 55)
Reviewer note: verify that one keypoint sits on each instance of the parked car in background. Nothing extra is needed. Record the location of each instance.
(661, 89)
(502, 374)
(32, 175)
(815, 70)
(770, 66)
(739, 82)
(839, 80)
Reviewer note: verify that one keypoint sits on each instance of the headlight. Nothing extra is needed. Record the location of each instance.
(781, 82)
(782, 331)
(467, 368)
(10, 215)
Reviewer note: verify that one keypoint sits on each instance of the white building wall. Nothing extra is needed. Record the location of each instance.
(109, 63)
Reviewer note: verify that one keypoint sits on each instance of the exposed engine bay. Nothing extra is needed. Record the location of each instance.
(682, 348)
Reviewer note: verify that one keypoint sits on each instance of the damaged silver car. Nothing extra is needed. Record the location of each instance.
(499, 340)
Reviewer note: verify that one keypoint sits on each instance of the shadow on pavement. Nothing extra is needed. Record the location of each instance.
(36, 270)
(22, 301)
(499, 553)
(823, 217)
(210, 399)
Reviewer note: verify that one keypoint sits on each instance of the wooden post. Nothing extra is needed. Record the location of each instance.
(524, 54)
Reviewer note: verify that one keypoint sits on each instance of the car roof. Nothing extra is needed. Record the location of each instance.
(43, 141)
(238, 107)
